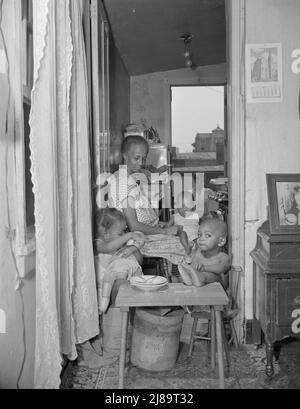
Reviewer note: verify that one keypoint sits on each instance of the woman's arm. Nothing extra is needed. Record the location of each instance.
(134, 225)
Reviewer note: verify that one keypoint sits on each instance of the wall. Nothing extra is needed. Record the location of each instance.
(272, 129)
(12, 347)
(150, 94)
(119, 101)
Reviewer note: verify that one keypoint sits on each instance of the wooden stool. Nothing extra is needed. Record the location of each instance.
(211, 335)
(227, 318)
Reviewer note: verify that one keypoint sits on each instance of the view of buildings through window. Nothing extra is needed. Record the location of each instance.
(195, 110)
(198, 127)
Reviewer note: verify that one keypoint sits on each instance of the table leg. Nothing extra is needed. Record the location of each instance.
(212, 339)
(270, 354)
(193, 333)
(123, 348)
(225, 343)
(220, 348)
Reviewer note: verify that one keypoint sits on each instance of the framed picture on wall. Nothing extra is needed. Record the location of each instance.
(284, 202)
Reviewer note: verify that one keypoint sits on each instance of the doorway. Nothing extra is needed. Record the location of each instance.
(195, 110)
(198, 134)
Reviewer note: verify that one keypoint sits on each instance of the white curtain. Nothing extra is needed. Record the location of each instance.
(66, 301)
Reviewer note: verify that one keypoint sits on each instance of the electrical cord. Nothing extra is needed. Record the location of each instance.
(9, 231)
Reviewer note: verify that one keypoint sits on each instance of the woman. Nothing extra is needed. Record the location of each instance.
(129, 190)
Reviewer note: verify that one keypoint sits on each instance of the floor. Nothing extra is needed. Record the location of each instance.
(247, 370)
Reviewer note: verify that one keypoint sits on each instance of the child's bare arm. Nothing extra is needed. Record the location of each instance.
(213, 265)
(184, 241)
(188, 245)
(132, 250)
(115, 244)
(220, 267)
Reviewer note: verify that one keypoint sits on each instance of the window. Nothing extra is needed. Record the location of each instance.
(23, 82)
(29, 197)
(196, 111)
(198, 132)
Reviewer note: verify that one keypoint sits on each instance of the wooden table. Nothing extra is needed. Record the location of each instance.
(174, 295)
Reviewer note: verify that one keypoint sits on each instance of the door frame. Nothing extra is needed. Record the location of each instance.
(235, 28)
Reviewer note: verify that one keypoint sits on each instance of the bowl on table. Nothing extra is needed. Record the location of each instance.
(148, 282)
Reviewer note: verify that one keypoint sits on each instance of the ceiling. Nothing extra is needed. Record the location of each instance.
(146, 32)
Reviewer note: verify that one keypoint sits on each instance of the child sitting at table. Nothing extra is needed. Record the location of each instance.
(114, 243)
(207, 262)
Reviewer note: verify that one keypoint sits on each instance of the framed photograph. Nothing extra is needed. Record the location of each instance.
(264, 73)
(284, 202)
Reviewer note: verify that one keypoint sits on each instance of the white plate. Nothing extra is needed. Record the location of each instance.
(148, 281)
(150, 288)
(148, 285)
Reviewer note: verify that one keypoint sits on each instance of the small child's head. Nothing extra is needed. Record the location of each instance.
(212, 234)
(110, 223)
(185, 202)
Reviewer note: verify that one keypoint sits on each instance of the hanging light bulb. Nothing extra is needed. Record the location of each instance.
(188, 63)
(187, 38)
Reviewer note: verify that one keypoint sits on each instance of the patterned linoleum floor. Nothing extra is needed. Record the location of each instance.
(247, 371)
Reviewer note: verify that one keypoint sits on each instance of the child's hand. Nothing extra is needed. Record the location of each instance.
(137, 235)
(187, 259)
(136, 243)
(196, 265)
(126, 251)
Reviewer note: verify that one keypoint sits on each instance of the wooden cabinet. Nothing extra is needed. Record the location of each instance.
(276, 274)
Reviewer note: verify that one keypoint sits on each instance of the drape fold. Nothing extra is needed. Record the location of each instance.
(66, 299)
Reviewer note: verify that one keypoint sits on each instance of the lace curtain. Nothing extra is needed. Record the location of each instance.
(66, 301)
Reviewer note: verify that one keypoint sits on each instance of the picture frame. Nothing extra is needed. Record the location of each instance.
(284, 202)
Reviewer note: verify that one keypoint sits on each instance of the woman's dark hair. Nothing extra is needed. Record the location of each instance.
(133, 140)
(105, 219)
